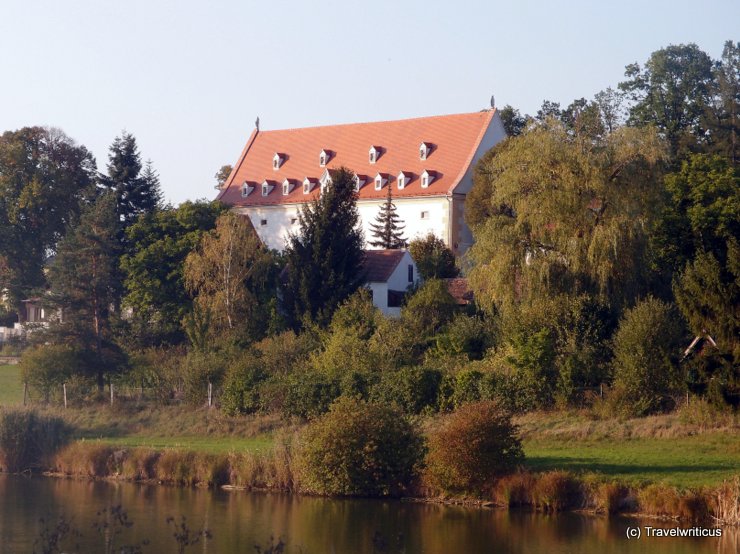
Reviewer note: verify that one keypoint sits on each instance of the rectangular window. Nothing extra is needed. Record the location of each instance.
(425, 215)
(411, 273)
(395, 298)
(263, 222)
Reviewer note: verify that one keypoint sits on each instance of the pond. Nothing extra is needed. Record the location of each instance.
(239, 520)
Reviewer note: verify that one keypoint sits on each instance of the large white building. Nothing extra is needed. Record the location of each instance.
(428, 161)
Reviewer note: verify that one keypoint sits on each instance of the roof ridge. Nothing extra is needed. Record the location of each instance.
(439, 116)
(490, 113)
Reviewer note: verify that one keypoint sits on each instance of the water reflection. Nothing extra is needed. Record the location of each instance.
(238, 520)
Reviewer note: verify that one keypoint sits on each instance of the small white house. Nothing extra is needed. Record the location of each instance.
(388, 274)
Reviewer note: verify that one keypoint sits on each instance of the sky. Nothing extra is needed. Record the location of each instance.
(189, 78)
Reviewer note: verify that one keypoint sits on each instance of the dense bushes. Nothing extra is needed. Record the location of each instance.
(27, 440)
(45, 368)
(646, 353)
(359, 448)
(475, 444)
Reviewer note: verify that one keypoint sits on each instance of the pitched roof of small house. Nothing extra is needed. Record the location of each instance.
(379, 265)
(459, 290)
(455, 138)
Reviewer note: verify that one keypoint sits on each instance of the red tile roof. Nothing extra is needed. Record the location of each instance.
(380, 264)
(458, 288)
(455, 139)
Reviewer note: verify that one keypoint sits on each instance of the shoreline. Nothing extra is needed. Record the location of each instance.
(275, 472)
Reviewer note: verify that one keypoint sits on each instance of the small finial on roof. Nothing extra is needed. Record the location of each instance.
(493, 102)
(257, 123)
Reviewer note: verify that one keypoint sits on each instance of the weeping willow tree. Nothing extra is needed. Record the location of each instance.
(561, 223)
(565, 214)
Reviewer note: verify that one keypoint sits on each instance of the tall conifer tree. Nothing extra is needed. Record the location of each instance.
(136, 191)
(324, 259)
(84, 284)
(387, 229)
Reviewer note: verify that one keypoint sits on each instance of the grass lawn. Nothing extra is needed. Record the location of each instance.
(689, 461)
(11, 388)
(213, 445)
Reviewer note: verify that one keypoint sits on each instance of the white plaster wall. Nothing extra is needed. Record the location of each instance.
(275, 233)
(409, 212)
(380, 296)
(399, 280)
(494, 134)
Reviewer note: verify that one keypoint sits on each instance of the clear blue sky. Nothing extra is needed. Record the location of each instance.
(189, 78)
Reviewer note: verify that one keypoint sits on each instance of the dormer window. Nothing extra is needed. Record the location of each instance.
(325, 181)
(277, 161)
(324, 158)
(246, 189)
(359, 182)
(374, 154)
(308, 185)
(380, 181)
(424, 150)
(403, 180)
(266, 188)
(287, 187)
(426, 178)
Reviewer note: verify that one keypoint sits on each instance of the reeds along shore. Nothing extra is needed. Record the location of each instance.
(277, 470)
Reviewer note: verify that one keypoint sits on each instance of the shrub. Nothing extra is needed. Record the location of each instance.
(358, 448)
(45, 368)
(646, 349)
(515, 489)
(306, 394)
(201, 368)
(467, 387)
(429, 309)
(555, 491)
(140, 463)
(474, 445)
(87, 459)
(414, 389)
(433, 258)
(464, 335)
(28, 440)
(241, 393)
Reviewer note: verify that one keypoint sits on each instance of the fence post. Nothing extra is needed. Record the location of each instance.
(210, 394)
(687, 398)
(601, 390)
(64, 388)
(25, 392)
(110, 385)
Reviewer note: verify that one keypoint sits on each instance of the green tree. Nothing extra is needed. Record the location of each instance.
(696, 240)
(83, 284)
(476, 444)
(222, 174)
(387, 229)
(154, 265)
(514, 122)
(433, 258)
(672, 91)
(233, 277)
(44, 177)
(324, 259)
(359, 448)
(647, 346)
(722, 117)
(135, 192)
(429, 309)
(565, 215)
